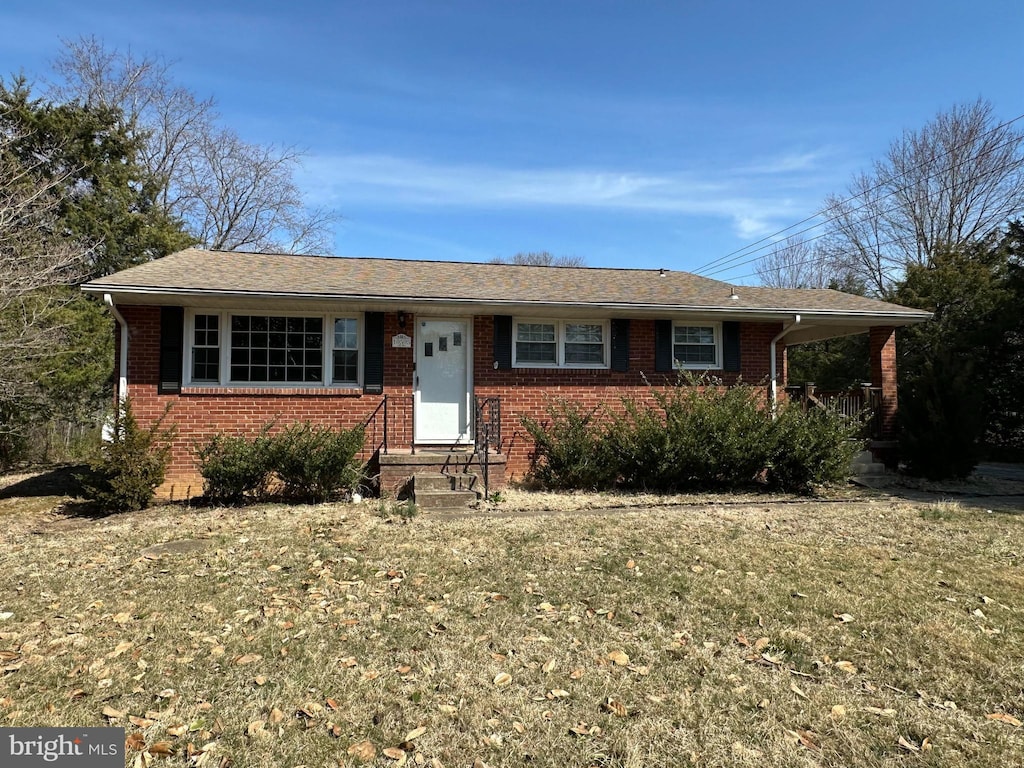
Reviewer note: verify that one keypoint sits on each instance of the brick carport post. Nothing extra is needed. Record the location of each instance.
(883, 374)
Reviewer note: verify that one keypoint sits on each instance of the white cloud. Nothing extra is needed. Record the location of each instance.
(746, 197)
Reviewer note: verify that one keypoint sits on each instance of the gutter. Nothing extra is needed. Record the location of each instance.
(122, 367)
(909, 316)
(773, 394)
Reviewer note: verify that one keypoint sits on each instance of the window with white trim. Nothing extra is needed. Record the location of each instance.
(206, 348)
(345, 353)
(560, 344)
(697, 346)
(246, 349)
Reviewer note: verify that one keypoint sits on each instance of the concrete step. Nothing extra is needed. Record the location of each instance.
(435, 500)
(438, 481)
(864, 465)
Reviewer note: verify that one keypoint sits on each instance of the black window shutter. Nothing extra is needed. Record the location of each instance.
(503, 341)
(373, 357)
(662, 345)
(731, 346)
(620, 345)
(172, 329)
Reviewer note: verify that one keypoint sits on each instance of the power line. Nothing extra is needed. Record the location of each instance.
(736, 263)
(740, 253)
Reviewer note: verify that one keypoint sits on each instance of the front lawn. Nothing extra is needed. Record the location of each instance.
(856, 632)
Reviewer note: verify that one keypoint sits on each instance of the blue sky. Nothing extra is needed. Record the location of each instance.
(632, 134)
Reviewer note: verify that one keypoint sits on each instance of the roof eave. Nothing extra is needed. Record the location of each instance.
(412, 302)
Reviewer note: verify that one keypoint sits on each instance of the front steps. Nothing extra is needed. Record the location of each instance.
(447, 493)
(438, 478)
(864, 468)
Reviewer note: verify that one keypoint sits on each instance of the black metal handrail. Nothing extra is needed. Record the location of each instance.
(383, 418)
(487, 432)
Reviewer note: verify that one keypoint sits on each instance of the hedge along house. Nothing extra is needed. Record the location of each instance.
(440, 360)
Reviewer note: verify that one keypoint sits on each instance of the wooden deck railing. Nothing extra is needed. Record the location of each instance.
(861, 403)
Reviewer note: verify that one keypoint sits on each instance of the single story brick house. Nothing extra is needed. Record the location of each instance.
(441, 357)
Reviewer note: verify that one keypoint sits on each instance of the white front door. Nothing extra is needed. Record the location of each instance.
(442, 411)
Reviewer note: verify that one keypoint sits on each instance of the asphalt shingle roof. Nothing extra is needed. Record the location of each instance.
(283, 275)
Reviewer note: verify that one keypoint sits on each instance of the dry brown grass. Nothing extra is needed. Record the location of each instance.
(854, 633)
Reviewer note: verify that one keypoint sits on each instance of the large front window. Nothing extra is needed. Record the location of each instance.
(560, 343)
(273, 349)
(230, 348)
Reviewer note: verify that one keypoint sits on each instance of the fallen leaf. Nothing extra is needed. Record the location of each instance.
(394, 753)
(630, 564)
(1002, 717)
(558, 693)
(363, 751)
(141, 722)
(135, 742)
(838, 712)
(847, 667)
(548, 665)
(248, 658)
(619, 657)
(161, 748)
(796, 689)
(502, 679)
(415, 733)
(614, 707)
(909, 746)
(112, 714)
(518, 727)
(845, 618)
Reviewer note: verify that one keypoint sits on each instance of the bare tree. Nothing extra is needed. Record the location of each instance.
(794, 263)
(954, 181)
(231, 194)
(36, 266)
(540, 259)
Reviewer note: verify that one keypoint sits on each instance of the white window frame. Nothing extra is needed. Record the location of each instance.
(716, 328)
(327, 350)
(560, 326)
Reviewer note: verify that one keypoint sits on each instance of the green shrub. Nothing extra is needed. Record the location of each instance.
(694, 436)
(941, 421)
(129, 468)
(569, 449)
(315, 463)
(810, 449)
(235, 469)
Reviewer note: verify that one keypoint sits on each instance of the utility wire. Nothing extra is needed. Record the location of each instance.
(734, 257)
(724, 267)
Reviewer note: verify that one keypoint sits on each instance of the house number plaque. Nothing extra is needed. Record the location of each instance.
(401, 341)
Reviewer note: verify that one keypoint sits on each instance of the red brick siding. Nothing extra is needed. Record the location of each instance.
(882, 345)
(529, 392)
(201, 412)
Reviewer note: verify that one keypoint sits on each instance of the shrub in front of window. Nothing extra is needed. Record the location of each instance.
(569, 449)
(131, 466)
(315, 463)
(236, 469)
(693, 436)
